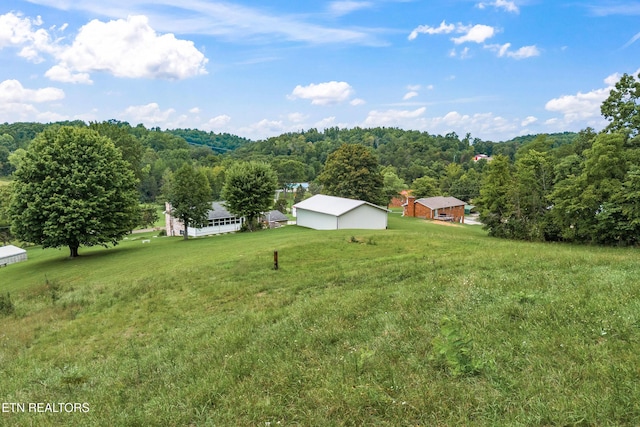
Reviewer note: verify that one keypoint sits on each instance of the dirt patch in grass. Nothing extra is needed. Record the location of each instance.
(447, 223)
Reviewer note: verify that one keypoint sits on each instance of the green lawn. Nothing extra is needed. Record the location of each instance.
(420, 324)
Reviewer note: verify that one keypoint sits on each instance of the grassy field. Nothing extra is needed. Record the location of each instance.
(420, 324)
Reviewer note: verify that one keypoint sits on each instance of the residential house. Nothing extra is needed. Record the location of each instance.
(219, 221)
(440, 208)
(274, 219)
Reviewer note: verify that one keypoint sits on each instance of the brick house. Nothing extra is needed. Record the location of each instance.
(440, 208)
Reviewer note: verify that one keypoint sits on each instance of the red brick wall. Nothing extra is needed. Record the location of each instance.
(420, 211)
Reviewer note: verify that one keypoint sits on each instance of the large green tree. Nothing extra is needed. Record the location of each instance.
(249, 190)
(72, 188)
(495, 201)
(622, 107)
(188, 191)
(392, 184)
(352, 171)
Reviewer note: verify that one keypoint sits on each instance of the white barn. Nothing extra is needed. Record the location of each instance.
(11, 254)
(322, 212)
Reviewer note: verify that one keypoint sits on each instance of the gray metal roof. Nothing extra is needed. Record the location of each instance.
(332, 205)
(275, 216)
(440, 202)
(218, 210)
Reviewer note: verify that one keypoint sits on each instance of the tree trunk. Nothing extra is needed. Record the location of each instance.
(186, 235)
(73, 251)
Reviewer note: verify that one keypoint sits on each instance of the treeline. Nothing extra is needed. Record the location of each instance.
(587, 191)
(444, 162)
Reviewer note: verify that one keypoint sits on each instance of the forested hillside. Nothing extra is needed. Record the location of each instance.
(580, 187)
(296, 157)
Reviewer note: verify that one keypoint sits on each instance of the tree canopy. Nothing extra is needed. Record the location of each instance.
(352, 171)
(189, 194)
(249, 190)
(72, 188)
(622, 107)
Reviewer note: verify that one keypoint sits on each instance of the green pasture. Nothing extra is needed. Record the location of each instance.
(420, 324)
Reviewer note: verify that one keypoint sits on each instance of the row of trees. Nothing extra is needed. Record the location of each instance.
(76, 187)
(586, 191)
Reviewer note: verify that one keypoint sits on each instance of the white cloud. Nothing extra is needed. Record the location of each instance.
(62, 74)
(195, 110)
(509, 6)
(21, 32)
(130, 48)
(529, 120)
(263, 128)
(340, 8)
(149, 114)
(463, 54)
(12, 91)
(217, 123)
(579, 107)
(476, 34)
(582, 107)
(444, 28)
(410, 95)
(222, 18)
(357, 101)
(327, 122)
(483, 125)
(392, 117)
(328, 93)
(16, 102)
(522, 53)
(297, 117)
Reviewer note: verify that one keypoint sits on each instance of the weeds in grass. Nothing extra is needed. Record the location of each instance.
(53, 288)
(6, 305)
(453, 350)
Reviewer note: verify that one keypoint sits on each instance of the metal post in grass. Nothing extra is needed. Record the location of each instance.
(275, 260)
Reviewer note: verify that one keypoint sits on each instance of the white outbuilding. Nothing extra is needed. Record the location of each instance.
(11, 254)
(322, 212)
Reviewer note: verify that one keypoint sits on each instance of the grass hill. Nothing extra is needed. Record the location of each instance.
(420, 324)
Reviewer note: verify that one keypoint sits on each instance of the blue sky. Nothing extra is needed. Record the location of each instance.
(494, 68)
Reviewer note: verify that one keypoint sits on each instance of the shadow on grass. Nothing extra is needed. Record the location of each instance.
(90, 254)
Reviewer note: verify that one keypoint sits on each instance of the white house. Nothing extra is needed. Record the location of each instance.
(11, 254)
(322, 212)
(220, 220)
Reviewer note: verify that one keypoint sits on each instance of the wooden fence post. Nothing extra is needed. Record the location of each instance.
(275, 260)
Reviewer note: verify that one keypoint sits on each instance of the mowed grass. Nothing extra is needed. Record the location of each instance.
(419, 324)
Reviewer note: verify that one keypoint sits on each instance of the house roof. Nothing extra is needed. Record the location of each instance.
(440, 202)
(275, 216)
(10, 250)
(332, 205)
(218, 210)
